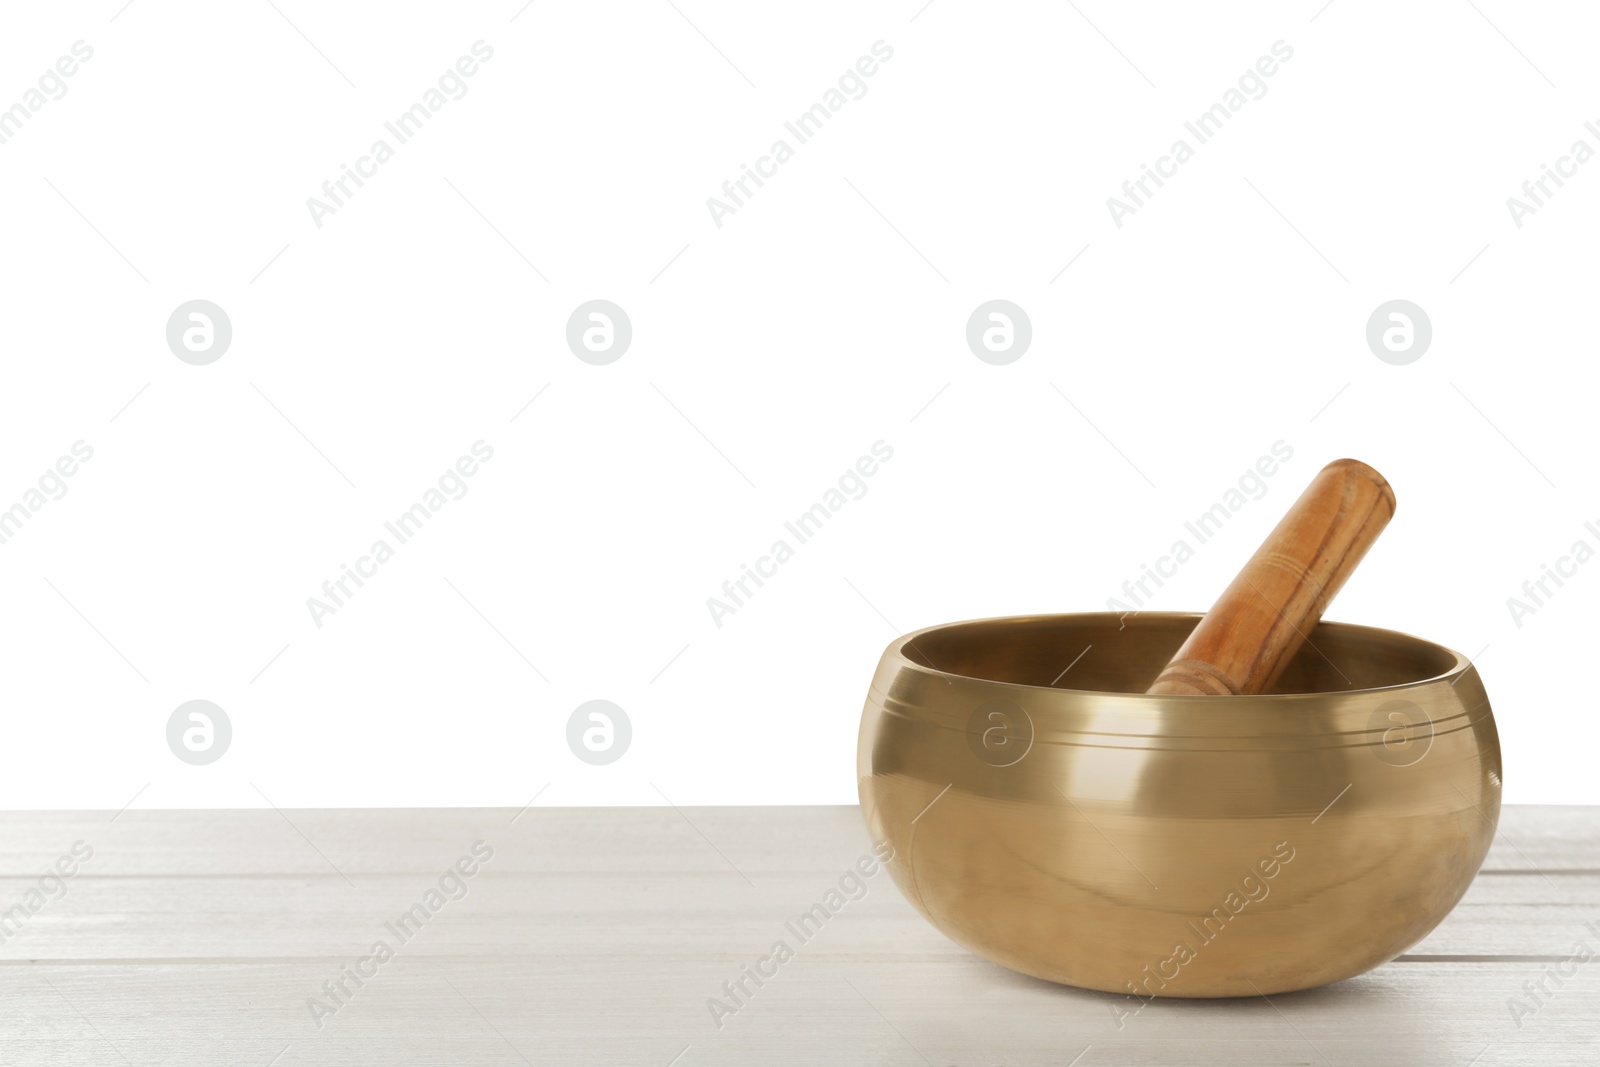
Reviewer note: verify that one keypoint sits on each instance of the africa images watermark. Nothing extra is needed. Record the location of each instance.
(1538, 590)
(52, 85)
(451, 886)
(802, 129)
(52, 886)
(851, 886)
(802, 528)
(1537, 190)
(1202, 528)
(405, 126)
(1251, 889)
(1558, 973)
(402, 528)
(1207, 125)
(52, 485)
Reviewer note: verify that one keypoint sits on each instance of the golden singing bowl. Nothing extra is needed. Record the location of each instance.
(1172, 845)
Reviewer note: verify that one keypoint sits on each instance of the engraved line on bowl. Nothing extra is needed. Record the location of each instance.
(895, 709)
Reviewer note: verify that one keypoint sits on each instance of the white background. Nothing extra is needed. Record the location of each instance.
(827, 314)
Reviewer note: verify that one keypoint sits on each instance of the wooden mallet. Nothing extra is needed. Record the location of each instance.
(1262, 618)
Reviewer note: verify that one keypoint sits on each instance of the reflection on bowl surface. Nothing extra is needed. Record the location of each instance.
(1177, 846)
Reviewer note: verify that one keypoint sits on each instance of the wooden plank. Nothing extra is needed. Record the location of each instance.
(560, 879)
(519, 914)
(393, 840)
(1546, 837)
(564, 839)
(618, 1010)
(599, 935)
(313, 841)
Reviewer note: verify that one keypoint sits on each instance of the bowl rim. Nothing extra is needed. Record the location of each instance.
(897, 647)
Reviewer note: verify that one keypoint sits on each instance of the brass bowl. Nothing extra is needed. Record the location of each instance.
(1173, 845)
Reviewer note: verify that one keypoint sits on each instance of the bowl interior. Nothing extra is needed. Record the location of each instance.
(1127, 652)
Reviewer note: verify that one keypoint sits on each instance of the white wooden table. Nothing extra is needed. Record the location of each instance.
(597, 936)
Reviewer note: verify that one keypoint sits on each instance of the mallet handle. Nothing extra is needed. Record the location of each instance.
(1263, 617)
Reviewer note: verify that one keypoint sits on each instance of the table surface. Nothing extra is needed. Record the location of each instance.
(598, 936)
